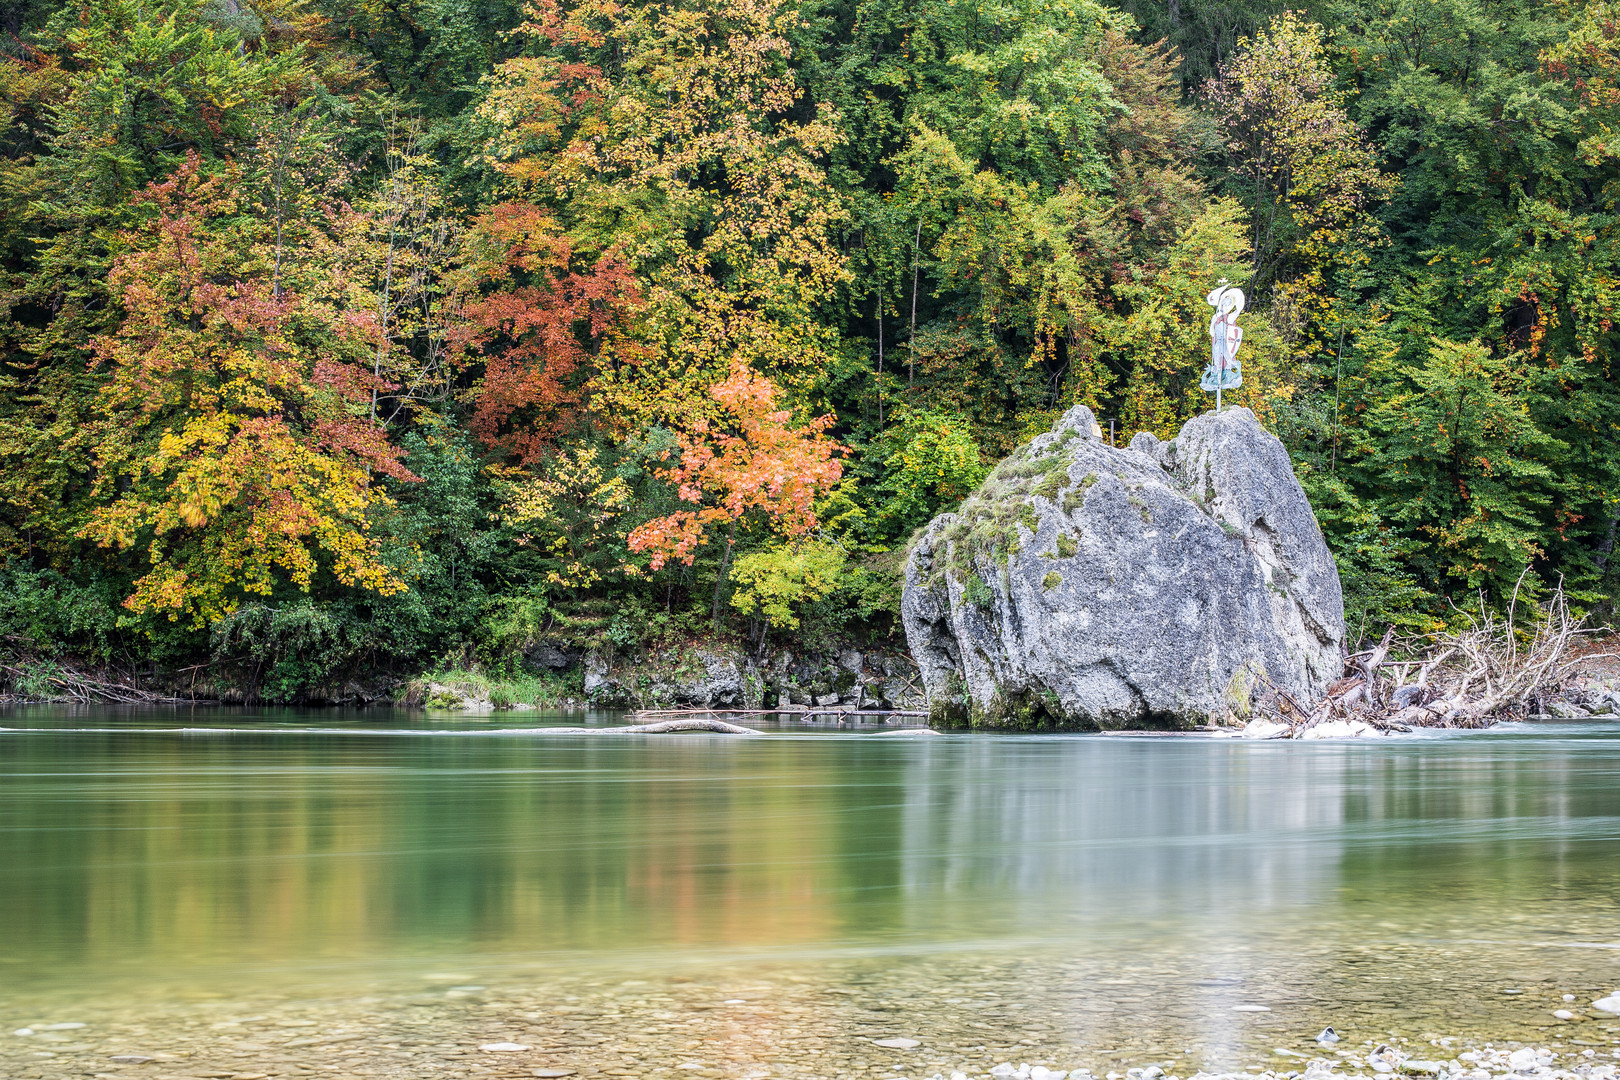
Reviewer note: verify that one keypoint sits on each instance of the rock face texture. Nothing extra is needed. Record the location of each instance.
(1084, 586)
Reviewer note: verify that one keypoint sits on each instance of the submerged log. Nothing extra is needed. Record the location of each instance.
(663, 727)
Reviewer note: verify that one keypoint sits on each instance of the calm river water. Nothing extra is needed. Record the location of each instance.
(732, 906)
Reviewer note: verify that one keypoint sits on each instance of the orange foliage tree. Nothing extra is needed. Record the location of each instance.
(234, 443)
(540, 325)
(754, 461)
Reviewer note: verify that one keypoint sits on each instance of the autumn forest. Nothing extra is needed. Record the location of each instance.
(386, 334)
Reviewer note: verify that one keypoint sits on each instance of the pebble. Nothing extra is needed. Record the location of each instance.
(897, 1044)
(1250, 1008)
(1610, 1004)
(71, 1025)
(23, 1031)
(131, 1059)
(1522, 1059)
(550, 1073)
(1328, 1035)
(504, 1047)
(1563, 1014)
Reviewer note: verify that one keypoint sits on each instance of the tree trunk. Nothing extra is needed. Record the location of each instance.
(725, 564)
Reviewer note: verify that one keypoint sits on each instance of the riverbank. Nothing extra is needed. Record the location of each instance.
(701, 673)
(778, 1021)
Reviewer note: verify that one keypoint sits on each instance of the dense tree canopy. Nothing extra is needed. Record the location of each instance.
(379, 334)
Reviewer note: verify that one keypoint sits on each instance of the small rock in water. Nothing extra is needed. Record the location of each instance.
(897, 1044)
(1328, 1036)
(1563, 1014)
(1610, 1004)
(71, 1025)
(1569, 997)
(1522, 1060)
(1250, 1008)
(548, 1073)
(1422, 1068)
(131, 1059)
(503, 1047)
(23, 1031)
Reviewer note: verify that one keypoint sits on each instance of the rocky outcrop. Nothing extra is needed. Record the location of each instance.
(1091, 587)
(718, 676)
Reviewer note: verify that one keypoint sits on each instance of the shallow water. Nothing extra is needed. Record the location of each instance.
(770, 906)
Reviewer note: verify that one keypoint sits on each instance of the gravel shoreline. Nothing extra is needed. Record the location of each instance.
(752, 1029)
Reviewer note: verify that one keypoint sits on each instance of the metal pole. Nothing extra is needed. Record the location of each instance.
(1217, 397)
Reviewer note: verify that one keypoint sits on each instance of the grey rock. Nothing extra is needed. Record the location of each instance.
(851, 660)
(596, 675)
(1566, 710)
(718, 678)
(1407, 696)
(544, 656)
(822, 701)
(1088, 586)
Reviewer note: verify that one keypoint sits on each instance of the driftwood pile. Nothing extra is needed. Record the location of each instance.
(1486, 672)
(54, 682)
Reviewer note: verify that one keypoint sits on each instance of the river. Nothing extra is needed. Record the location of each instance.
(274, 892)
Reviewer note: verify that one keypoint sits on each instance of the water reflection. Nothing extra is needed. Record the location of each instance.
(1285, 874)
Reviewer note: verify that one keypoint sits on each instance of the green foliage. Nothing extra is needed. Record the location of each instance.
(977, 593)
(43, 611)
(934, 464)
(777, 582)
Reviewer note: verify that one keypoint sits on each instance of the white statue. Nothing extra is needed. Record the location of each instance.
(1225, 335)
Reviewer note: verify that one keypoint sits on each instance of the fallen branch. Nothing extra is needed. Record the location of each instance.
(643, 713)
(666, 727)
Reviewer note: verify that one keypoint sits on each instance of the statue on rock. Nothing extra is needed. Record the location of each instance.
(1224, 372)
(1084, 586)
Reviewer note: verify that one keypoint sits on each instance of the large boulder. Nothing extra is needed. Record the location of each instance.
(1085, 586)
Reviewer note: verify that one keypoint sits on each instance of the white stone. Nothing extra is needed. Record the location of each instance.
(1004, 1069)
(1340, 729)
(69, 1026)
(1563, 1014)
(1522, 1060)
(1260, 728)
(503, 1047)
(23, 1031)
(897, 1044)
(1250, 1008)
(1610, 1004)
